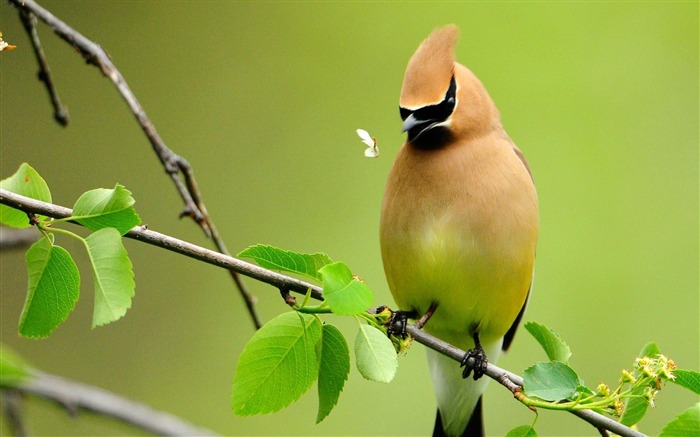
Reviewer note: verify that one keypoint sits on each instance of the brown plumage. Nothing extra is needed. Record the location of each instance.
(459, 220)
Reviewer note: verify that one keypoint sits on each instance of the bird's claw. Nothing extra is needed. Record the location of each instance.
(478, 365)
(397, 324)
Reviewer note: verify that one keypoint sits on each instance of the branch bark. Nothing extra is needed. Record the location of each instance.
(174, 165)
(74, 396)
(283, 282)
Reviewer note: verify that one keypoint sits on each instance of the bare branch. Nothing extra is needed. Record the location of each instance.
(174, 164)
(17, 238)
(12, 409)
(75, 396)
(29, 22)
(286, 283)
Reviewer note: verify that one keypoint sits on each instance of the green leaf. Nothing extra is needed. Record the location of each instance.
(113, 276)
(13, 369)
(635, 408)
(282, 260)
(333, 370)
(689, 379)
(550, 381)
(54, 288)
(278, 365)
(584, 390)
(26, 182)
(343, 293)
(103, 208)
(522, 431)
(685, 424)
(553, 345)
(650, 350)
(375, 354)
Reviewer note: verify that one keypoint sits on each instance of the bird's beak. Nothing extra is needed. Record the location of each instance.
(417, 127)
(410, 122)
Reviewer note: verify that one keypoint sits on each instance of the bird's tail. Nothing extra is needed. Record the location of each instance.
(475, 427)
(458, 399)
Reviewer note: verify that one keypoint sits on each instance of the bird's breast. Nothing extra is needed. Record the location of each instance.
(459, 227)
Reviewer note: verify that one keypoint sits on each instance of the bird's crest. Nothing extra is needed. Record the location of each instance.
(430, 69)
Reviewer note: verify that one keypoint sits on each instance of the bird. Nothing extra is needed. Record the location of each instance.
(459, 226)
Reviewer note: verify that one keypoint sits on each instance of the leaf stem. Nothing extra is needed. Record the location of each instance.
(315, 309)
(61, 231)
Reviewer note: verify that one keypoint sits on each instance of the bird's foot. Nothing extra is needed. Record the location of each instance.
(474, 360)
(398, 322)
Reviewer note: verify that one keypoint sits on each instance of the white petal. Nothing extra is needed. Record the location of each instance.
(372, 152)
(366, 137)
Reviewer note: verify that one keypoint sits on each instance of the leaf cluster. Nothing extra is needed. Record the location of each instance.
(555, 385)
(54, 278)
(284, 358)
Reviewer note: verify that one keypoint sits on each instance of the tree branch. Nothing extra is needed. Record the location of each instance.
(60, 113)
(163, 241)
(174, 164)
(17, 238)
(282, 282)
(11, 400)
(74, 395)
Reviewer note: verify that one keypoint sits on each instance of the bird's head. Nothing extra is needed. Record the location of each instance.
(440, 98)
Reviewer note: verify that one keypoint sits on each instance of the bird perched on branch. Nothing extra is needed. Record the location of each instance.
(459, 225)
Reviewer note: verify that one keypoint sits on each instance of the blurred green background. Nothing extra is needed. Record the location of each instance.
(263, 99)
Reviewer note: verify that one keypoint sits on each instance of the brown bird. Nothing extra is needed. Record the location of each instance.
(459, 225)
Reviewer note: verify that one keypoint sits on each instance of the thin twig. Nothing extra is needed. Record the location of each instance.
(75, 396)
(60, 112)
(282, 282)
(174, 165)
(12, 409)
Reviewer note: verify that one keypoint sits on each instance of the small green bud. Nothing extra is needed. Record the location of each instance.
(627, 377)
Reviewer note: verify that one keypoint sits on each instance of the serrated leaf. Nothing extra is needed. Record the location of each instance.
(282, 260)
(278, 365)
(113, 276)
(342, 292)
(686, 424)
(375, 355)
(522, 431)
(689, 379)
(102, 208)
(550, 381)
(26, 182)
(13, 369)
(333, 370)
(553, 345)
(54, 288)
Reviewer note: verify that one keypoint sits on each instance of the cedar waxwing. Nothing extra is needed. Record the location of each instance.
(459, 225)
